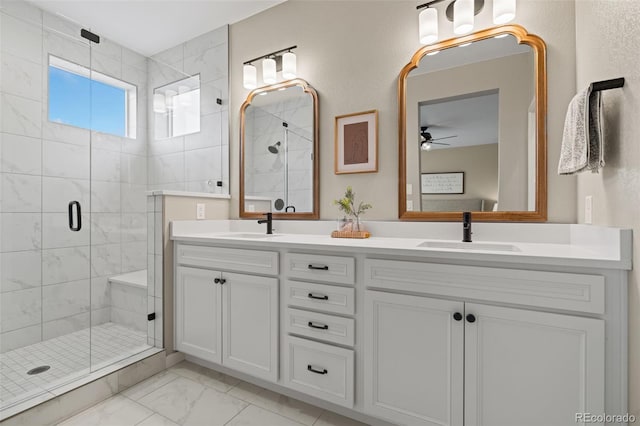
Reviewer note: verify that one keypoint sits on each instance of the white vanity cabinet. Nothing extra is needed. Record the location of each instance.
(435, 361)
(225, 317)
(392, 334)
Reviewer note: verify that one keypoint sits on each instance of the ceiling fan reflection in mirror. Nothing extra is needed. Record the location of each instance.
(427, 141)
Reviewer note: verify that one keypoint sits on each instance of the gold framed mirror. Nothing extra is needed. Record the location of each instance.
(279, 166)
(472, 128)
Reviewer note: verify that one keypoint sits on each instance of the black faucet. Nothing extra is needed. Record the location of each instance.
(466, 227)
(268, 221)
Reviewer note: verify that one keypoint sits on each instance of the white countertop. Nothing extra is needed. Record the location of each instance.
(569, 245)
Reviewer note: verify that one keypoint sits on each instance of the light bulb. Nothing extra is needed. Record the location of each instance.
(289, 66)
(503, 11)
(269, 70)
(159, 105)
(169, 96)
(463, 13)
(428, 25)
(249, 76)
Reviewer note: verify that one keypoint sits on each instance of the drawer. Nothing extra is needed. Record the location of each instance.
(559, 290)
(228, 259)
(331, 269)
(320, 370)
(329, 328)
(328, 298)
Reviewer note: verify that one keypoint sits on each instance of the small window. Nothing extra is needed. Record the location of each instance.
(91, 100)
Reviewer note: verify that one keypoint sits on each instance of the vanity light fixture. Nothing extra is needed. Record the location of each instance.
(281, 60)
(159, 104)
(249, 76)
(269, 71)
(461, 13)
(503, 11)
(289, 66)
(463, 16)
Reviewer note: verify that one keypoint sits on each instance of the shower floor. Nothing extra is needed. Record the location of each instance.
(69, 359)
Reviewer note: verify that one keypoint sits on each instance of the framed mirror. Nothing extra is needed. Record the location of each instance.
(279, 168)
(472, 128)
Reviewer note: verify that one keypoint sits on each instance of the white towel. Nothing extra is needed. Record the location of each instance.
(582, 140)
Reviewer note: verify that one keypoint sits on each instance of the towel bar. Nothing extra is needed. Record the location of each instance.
(607, 84)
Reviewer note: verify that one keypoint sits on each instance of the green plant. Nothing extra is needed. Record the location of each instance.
(347, 204)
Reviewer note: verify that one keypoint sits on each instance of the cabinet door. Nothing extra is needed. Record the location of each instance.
(531, 368)
(198, 313)
(413, 359)
(250, 325)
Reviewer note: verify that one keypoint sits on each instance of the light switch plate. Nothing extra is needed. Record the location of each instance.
(409, 189)
(588, 209)
(409, 205)
(200, 211)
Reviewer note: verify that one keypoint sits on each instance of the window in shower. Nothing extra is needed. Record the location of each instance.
(72, 87)
(176, 108)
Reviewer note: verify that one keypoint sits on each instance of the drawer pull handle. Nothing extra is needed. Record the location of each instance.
(318, 268)
(313, 296)
(321, 327)
(313, 370)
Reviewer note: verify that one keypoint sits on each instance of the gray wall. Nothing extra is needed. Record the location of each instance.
(608, 42)
(353, 54)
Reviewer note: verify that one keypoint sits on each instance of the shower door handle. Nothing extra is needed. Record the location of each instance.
(78, 214)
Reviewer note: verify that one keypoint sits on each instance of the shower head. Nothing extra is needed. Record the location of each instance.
(274, 148)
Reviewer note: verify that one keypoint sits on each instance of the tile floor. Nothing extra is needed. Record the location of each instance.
(188, 394)
(69, 358)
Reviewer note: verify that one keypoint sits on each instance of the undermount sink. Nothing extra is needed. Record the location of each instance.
(453, 245)
(246, 235)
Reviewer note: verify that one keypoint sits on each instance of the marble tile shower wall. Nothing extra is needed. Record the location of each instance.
(197, 161)
(52, 278)
(267, 179)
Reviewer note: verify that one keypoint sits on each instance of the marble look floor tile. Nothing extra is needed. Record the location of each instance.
(151, 384)
(277, 403)
(205, 376)
(116, 410)
(329, 418)
(214, 409)
(256, 416)
(175, 399)
(157, 420)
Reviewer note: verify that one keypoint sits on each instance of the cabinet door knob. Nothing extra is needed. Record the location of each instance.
(471, 318)
(223, 280)
(216, 280)
(457, 316)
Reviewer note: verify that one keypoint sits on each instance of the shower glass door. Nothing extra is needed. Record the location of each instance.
(45, 205)
(73, 219)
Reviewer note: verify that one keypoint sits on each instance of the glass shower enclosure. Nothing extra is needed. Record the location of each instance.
(73, 206)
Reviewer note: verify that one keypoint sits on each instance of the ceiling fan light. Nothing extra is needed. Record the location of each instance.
(463, 15)
(428, 25)
(503, 11)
